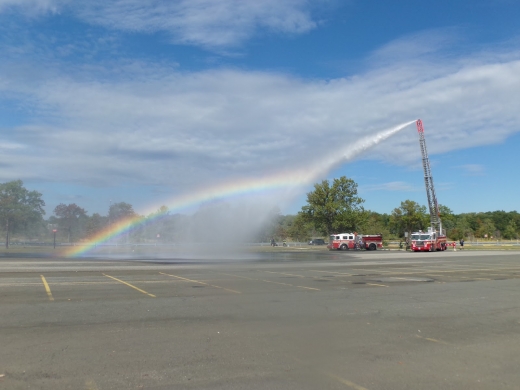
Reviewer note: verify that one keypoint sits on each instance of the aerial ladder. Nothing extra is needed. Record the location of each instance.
(435, 219)
(434, 239)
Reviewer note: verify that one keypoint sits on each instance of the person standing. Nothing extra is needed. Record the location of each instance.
(461, 244)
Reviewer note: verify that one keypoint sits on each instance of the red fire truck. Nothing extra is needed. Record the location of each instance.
(346, 241)
(427, 241)
(435, 238)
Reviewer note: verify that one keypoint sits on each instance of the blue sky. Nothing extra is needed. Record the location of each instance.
(141, 101)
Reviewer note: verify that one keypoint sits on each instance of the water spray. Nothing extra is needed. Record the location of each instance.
(307, 176)
(293, 180)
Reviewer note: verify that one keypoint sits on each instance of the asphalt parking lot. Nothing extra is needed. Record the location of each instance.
(335, 320)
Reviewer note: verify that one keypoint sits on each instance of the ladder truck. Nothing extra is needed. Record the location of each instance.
(435, 238)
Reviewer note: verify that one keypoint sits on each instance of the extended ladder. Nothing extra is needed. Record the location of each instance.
(435, 218)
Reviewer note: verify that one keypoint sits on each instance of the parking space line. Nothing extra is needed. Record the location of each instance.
(309, 288)
(283, 273)
(332, 272)
(300, 276)
(270, 281)
(54, 283)
(432, 340)
(199, 282)
(344, 381)
(47, 288)
(375, 284)
(130, 285)
(407, 279)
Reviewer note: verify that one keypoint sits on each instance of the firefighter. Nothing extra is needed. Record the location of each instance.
(360, 243)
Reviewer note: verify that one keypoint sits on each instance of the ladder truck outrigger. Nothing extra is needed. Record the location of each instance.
(435, 238)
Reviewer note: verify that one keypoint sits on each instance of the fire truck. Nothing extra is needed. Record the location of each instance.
(435, 238)
(428, 241)
(346, 241)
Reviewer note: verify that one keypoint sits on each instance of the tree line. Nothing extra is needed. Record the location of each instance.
(332, 207)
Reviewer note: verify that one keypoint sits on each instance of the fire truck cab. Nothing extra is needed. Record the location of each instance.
(346, 241)
(428, 241)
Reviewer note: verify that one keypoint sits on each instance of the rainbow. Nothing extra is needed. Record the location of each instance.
(294, 179)
(221, 191)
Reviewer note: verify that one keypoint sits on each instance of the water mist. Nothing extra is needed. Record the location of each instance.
(235, 213)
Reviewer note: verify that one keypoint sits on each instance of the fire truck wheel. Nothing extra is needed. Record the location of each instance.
(343, 247)
(372, 247)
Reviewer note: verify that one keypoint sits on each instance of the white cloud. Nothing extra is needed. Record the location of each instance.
(201, 22)
(206, 23)
(155, 125)
(390, 186)
(415, 46)
(11, 146)
(31, 7)
(473, 169)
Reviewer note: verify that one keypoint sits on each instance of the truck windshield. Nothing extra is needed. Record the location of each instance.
(420, 236)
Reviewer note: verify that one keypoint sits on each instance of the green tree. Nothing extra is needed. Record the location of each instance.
(408, 217)
(510, 230)
(447, 218)
(159, 225)
(95, 224)
(69, 218)
(119, 211)
(472, 220)
(300, 230)
(462, 228)
(19, 206)
(335, 206)
(486, 228)
(376, 224)
(500, 219)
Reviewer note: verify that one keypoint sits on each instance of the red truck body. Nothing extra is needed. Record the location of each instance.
(427, 242)
(346, 241)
